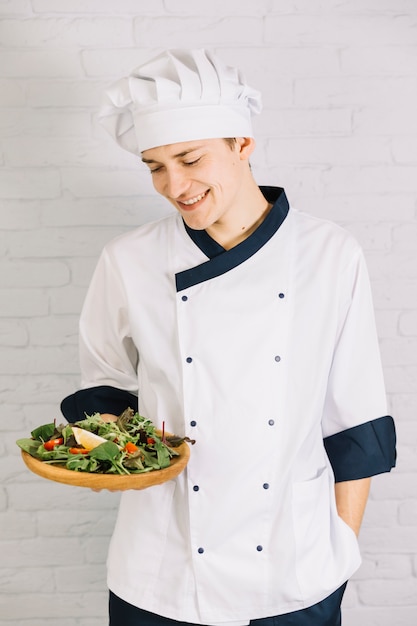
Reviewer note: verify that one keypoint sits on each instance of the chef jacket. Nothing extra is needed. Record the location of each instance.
(266, 354)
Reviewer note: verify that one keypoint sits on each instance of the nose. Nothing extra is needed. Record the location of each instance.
(176, 182)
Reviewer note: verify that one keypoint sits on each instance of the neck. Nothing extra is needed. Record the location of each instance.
(250, 213)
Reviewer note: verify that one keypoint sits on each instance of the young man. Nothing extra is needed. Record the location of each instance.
(247, 326)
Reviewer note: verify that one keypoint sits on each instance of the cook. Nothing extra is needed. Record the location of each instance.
(247, 325)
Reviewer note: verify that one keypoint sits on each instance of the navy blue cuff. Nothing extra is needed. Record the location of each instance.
(364, 450)
(103, 399)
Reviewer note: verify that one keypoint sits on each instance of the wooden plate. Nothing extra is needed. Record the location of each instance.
(116, 482)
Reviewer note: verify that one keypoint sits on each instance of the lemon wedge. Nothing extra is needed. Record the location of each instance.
(86, 439)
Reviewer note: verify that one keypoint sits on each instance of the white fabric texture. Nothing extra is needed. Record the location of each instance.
(266, 550)
(181, 95)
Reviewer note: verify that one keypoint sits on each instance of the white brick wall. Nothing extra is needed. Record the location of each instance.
(339, 131)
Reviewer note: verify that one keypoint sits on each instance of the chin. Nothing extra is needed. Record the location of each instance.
(196, 219)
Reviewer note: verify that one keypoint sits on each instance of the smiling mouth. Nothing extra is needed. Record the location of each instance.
(192, 201)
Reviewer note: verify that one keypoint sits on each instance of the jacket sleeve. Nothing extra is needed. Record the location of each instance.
(359, 436)
(108, 356)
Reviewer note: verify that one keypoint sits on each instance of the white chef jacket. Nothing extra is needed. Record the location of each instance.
(258, 353)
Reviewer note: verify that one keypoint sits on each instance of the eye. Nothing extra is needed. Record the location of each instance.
(189, 163)
(154, 170)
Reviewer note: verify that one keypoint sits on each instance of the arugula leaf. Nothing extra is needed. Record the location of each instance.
(109, 452)
(162, 453)
(59, 453)
(106, 451)
(28, 445)
(44, 433)
(173, 441)
(67, 433)
(150, 459)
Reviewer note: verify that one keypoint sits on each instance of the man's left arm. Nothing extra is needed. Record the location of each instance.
(359, 437)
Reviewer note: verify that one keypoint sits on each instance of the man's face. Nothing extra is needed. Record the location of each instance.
(202, 179)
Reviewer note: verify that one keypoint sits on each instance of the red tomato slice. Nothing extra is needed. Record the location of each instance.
(78, 451)
(50, 445)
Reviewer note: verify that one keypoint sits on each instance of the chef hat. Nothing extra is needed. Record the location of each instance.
(180, 95)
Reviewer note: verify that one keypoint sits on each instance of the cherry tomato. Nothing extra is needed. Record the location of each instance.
(78, 451)
(50, 445)
(150, 440)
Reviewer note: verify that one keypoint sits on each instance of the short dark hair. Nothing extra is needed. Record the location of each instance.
(230, 142)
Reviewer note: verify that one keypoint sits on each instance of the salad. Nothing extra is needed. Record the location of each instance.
(128, 444)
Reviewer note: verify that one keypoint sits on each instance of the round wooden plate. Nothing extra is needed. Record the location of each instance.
(116, 482)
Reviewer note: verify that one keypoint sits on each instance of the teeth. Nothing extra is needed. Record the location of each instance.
(194, 200)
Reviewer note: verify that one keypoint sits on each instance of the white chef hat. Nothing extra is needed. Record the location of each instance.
(180, 95)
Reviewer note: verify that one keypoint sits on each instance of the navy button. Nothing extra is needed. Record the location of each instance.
(200, 550)
(193, 423)
(271, 422)
(277, 359)
(196, 488)
(265, 486)
(259, 548)
(189, 359)
(281, 295)
(184, 298)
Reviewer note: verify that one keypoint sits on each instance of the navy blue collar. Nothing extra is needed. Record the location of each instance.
(221, 260)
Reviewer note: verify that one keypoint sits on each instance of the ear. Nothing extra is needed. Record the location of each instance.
(246, 145)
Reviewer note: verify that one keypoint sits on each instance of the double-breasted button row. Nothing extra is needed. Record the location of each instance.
(281, 295)
(259, 548)
(264, 486)
(189, 359)
(271, 422)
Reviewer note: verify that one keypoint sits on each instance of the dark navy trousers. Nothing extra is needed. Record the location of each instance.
(324, 613)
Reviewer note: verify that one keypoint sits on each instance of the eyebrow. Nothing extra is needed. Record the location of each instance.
(176, 156)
